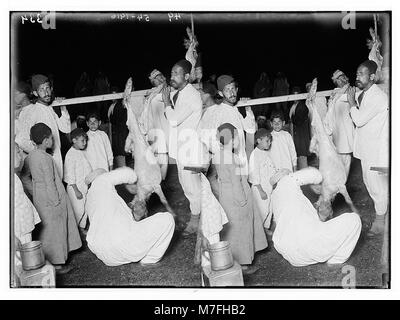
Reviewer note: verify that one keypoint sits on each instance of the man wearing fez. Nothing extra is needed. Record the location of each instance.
(183, 108)
(42, 111)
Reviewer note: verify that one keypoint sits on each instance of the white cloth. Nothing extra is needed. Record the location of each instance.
(301, 238)
(113, 235)
(98, 150)
(184, 119)
(371, 140)
(25, 214)
(76, 168)
(338, 122)
(213, 216)
(283, 152)
(35, 113)
(261, 169)
(191, 186)
(378, 187)
(216, 115)
(322, 108)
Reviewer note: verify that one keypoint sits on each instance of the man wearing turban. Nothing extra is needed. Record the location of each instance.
(42, 111)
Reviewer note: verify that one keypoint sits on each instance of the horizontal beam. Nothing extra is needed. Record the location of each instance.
(291, 97)
(250, 102)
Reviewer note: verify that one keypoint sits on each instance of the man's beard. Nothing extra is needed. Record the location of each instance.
(232, 99)
(359, 85)
(47, 100)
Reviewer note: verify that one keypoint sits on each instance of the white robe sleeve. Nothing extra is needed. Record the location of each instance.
(63, 122)
(249, 122)
(292, 149)
(107, 145)
(69, 169)
(254, 170)
(26, 121)
(363, 115)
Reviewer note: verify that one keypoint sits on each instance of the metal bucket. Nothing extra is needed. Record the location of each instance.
(220, 255)
(32, 255)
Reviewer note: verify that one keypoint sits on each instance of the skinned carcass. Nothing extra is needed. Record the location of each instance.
(330, 165)
(146, 166)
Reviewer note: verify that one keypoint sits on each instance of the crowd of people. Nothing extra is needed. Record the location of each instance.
(255, 167)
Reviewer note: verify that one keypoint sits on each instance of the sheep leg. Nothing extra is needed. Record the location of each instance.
(163, 200)
(345, 194)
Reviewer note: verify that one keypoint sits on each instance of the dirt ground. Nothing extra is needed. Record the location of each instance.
(178, 270)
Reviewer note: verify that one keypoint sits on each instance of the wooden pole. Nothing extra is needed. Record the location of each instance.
(251, 102)
(103, 97)
(291, 97)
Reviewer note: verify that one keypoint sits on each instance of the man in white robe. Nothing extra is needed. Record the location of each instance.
(42, 111)
(338, 123)
(114, 236)
(300, 236)
(183, 111)
(370, 113)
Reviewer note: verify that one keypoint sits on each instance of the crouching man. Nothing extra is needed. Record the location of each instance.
(114, 236)
(300, 237)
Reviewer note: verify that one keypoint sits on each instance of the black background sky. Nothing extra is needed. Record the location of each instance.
(302, 45)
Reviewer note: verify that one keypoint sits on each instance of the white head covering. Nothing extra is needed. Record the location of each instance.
(154, 74)
(337, 74)
(93, 175)
(309, 175)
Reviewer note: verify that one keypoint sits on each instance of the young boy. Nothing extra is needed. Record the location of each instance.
(76, 168)
(58, 233)
(244, 230)
(261, 169)
(98, 151)
(283, 151)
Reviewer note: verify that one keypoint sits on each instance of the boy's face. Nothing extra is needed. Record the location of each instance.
(48, 142)
(79, 143)
(277, 124)
(93, 124)
(264, 143)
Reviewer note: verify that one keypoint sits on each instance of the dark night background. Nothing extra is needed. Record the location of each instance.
(302, 45)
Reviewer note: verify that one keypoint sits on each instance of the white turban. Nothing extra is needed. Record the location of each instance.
(93, 175)
(309, 175)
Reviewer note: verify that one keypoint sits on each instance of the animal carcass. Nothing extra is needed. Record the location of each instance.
(146, 166)
(330, 165)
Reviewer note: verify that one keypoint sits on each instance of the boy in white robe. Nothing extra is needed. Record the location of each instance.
(261, 169)
(300, 236)
(283, 152)
(76, 168)
(98, 150)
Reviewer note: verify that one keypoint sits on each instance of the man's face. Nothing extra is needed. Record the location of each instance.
(198, 73)
(160, 79)
(93, 124)
(341, 81)
(178, 77)
(204, 96)
(79, 143)
(277, 124)
(364, 78)
(230, 93)
(45, 93)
